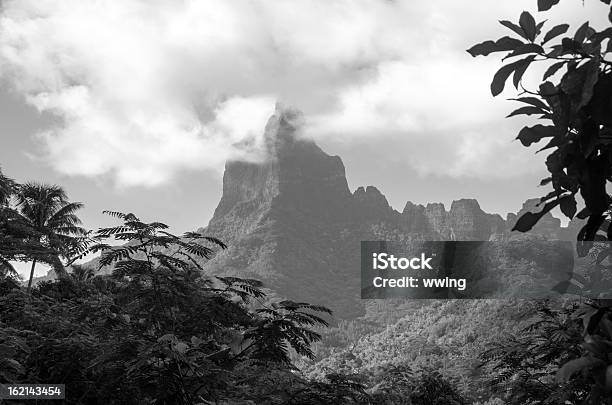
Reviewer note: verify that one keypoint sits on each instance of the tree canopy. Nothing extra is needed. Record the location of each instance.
(574, 102)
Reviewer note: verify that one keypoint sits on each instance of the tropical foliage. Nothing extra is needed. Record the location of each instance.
(50, 221)
(154, 327)
(574, 100)
(7, 188)
(38, 224)
(157, 329)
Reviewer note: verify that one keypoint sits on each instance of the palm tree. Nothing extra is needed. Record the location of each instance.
(7, 188)
(52, 222)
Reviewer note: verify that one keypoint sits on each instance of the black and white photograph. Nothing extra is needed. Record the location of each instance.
(219, 202)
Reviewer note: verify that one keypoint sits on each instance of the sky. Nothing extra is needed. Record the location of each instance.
(136, 105)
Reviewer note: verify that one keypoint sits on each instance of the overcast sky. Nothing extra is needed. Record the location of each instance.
(135, 105)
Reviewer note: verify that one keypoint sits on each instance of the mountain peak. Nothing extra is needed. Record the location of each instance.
(282, 129)
(295, 173)
(291, 221)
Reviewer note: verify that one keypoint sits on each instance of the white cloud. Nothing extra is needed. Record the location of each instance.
(446, 116)
(146, 89)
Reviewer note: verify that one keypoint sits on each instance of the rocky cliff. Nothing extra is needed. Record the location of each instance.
(292, 222)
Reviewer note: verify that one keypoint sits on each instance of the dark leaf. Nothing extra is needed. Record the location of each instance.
(553, 69)
(484, 48)
(587, 234)
(581, 33)
(552, 194)
(525, 48)
(534, 101)
(529, 219)
(520, 70)
(568, 206)
(545, 181)
(499, 80)
(514, 28)
(568, 45)
(598, 37)
(530, 135)
(508, 43)
(528, 24)
(555, 31)
(558, 140)
(539, 27)
(584, 213)
(544, 5)
(487, 47)
(525, 111)
(548, 89)
(591, 69)
(588, 231)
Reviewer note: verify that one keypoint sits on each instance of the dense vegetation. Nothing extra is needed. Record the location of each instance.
(158, 329)
(574, 99)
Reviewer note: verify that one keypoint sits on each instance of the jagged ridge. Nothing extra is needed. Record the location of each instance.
(292, 221)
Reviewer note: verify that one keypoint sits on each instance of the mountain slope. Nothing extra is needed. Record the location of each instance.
(292, 222)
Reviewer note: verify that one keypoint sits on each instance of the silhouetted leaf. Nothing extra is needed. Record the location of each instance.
(587, 234)
(581, 33)
(598, 37)
(539, 27)
(534, 101)
(520, 70)
(487, 47)
(484, 48)
(568, 45)
(513, 27)
(528, 24)
(529, 219)
(591, 75)
(525, 48)
(545, 181)
(499, 80)
(568, 206)
(553, 69)
(555, 31)
(544, 5)
(557, 140)
(530, 135)
(525, 111)
(548, 89)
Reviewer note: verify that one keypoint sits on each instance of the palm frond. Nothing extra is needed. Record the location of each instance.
(211, 239)
(115, 214)
(66, 212)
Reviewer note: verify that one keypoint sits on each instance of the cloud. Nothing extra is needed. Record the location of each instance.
(147, 146)
(143, 90)
(443, 112)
